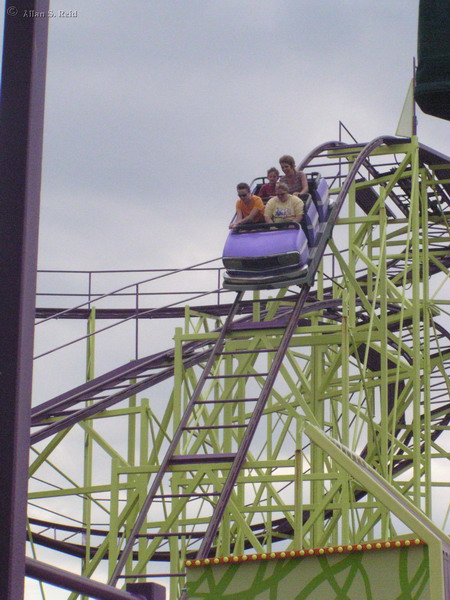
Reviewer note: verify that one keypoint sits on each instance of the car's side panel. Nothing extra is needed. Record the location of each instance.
(312, 223)
(322, 199)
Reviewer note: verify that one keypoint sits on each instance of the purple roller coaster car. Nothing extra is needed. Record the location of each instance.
(275, 255)
(264, 255)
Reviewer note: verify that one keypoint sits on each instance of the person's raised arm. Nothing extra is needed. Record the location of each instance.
(299, 210)
(252, 216)
(237, 219)
(268, 212)
(304, 185)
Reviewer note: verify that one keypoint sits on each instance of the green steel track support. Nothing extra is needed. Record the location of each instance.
(394, 501)
(88, 443)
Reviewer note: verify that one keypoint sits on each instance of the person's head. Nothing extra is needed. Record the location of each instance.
(243, 190)
(273, 174)
(282, 191)
(287, 164)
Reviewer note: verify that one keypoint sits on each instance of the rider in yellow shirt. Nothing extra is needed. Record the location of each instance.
(284, 206)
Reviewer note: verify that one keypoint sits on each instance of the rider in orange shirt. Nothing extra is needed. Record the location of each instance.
(249, 208)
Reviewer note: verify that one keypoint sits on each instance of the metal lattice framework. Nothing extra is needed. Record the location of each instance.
(216, 459)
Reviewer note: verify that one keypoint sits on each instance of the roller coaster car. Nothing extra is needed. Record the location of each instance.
(264, 255)
(275, 255)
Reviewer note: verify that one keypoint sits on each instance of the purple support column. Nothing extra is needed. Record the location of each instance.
(21, 133)
(90, 587)
(149, 591)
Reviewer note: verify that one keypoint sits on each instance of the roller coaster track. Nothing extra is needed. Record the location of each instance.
(90, 390)
(103, 392)
(114, 381)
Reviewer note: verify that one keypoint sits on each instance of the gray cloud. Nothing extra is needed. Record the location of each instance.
(156, 109)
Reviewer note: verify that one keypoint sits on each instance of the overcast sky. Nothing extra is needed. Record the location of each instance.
(155, 109)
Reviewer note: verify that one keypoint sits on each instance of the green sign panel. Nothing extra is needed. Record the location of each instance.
(394, 574)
